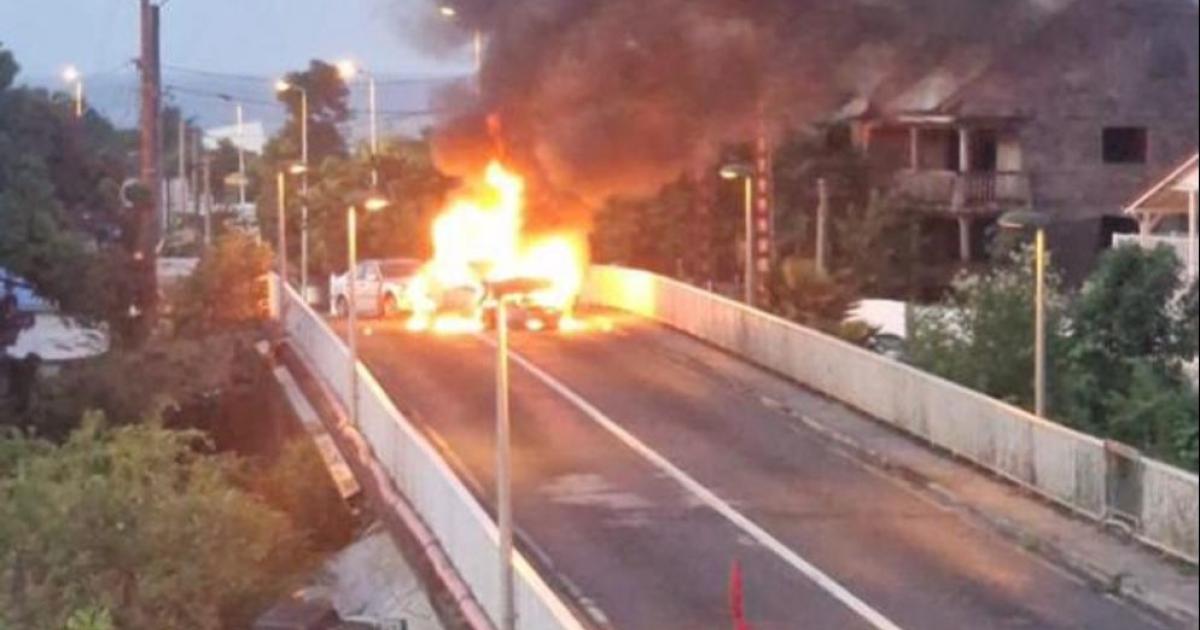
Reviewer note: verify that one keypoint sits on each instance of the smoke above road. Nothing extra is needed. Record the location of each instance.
(618, 97)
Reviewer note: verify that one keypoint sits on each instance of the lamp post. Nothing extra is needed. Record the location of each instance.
(1021, 220)
(348, 70)
(71, 76)
(281, 192)
(746, 174)
(241, 152)
(285, 86)
(500, 291)
(370, 203)
(449, 12)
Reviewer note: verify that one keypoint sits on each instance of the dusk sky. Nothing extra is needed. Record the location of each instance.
(253, 37)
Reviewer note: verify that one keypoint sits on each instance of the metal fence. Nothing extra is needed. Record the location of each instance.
(1063, 465)
(464, 530)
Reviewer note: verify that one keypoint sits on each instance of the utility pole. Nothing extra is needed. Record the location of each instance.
(207, 199)
(822, 227)
(183, 181)
(145, 255)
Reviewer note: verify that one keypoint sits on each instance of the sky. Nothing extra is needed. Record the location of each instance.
(249, 37)
(232, 47)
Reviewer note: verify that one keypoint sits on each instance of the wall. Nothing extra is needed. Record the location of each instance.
(1062, 465)
(465, 532)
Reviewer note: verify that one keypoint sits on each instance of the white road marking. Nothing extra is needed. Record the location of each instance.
(820, 578)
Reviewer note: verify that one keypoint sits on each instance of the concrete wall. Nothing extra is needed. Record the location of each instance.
(463, 529)
(1065, 466)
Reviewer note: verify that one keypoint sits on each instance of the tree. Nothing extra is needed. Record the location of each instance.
(801, 294)
(1132, 328)
(59, 178)
(226, 290)
(982, 334)
(138, 523)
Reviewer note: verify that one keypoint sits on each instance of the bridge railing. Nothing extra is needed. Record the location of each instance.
(464, 530)
(1092, 477)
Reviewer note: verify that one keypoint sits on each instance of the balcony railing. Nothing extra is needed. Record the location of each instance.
(978, 192)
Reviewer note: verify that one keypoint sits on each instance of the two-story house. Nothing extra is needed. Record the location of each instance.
(1070, 120)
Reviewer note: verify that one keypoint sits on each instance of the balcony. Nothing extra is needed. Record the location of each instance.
(981, 192)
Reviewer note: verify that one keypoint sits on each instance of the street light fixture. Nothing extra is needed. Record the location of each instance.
(371, 203)
(1022, 220)
(282, 86)
(348, 71)
(451, 13)
(71, 76)
(746, 173)
(500, 292)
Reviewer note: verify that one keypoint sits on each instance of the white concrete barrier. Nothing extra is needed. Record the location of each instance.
(462, 527)
(1063, 465)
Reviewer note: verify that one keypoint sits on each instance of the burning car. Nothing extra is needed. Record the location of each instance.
(479, 240)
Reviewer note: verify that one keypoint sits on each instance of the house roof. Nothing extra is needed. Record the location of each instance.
(1170, 194)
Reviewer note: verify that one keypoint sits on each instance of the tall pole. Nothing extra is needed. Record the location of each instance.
(281, 193)
(79, 98)
(207, 200)
(477, 44)
(822, 226)
(182, 165)
(504, 468)
(374, 129)
(1192, 234)
(304, 196)
(748, 264)
(150, 159)
(352, 309)
(241, 158)
(1039, 349)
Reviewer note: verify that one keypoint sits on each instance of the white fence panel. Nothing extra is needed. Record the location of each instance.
(1064, 465)
(459, 522)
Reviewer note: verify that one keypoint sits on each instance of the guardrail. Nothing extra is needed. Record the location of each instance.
(1071, 468)
(463, 529)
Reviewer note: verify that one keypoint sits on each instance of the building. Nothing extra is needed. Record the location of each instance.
(1071, 119)
(1166, 215)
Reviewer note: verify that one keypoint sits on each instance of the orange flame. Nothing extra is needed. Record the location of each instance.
(479, 237)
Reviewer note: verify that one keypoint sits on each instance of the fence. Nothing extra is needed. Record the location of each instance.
(1065, 466)
(462, 527)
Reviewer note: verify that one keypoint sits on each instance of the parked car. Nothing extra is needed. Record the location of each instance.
(381, 287)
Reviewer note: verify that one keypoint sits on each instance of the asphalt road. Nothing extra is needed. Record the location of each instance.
(650, 463)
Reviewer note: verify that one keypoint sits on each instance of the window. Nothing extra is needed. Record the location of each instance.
(1125, 145)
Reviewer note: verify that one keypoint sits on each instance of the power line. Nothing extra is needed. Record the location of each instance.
(380, 78)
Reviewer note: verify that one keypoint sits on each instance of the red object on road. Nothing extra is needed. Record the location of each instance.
(737, 604)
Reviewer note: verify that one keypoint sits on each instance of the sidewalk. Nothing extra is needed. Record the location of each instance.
(1155, 583)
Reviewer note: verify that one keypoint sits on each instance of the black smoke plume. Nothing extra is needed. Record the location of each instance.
(603, 97)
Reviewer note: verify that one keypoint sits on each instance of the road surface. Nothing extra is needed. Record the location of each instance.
(647, 463)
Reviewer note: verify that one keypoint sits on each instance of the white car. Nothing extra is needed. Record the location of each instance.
(381, 287)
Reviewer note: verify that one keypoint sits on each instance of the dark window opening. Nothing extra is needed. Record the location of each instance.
(1125, 145)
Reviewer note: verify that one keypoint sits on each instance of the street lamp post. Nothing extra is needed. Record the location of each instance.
(283, 86)
(348, 70)
(370, 203)
(296, 168)
(72, 77)
(1019, 220)
(501, 290)
(746, 174)
(449, 12)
